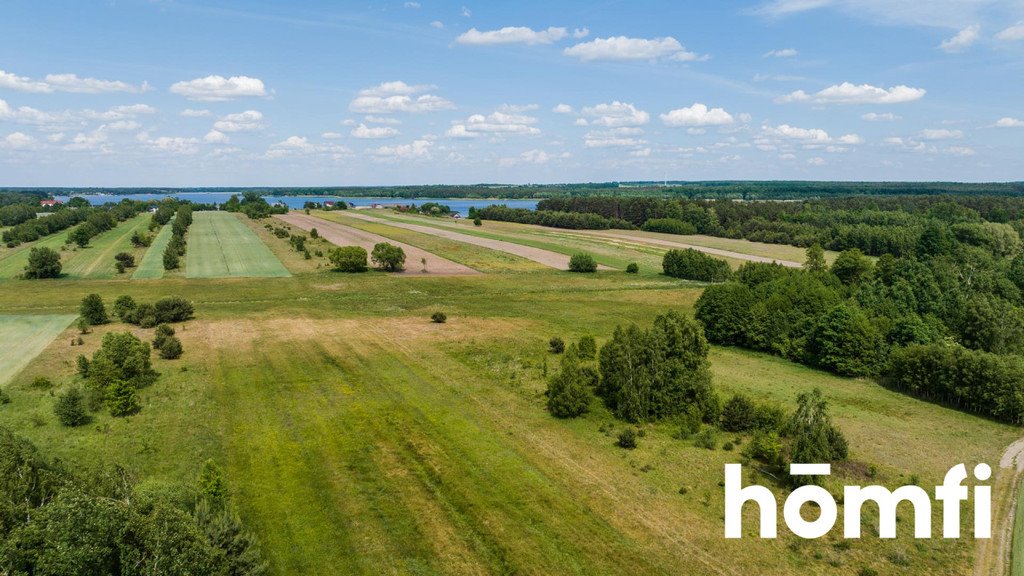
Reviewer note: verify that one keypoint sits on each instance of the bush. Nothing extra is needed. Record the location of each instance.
(582, 263)
(348, 259)
(172, 309)
(124, 308)
(388, 257)
(724, 310)
(568, 391)
(5, 398)
(93, 311)
(163, 332)
(314, 233)
(587, 347)
(70, 408)
(171, 261)
(557, 345)
(42, 263)
(669, 226)
(125, 259)
(738, 415)
(689, 421)
(477, 222)
(119, 266)
(691, 264)
(439, 317)
(707, 438)
(171, 348)
(632, 268)
(627, 439)
(766, 447)
(122, 398)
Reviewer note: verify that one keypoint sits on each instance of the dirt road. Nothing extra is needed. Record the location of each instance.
(993, 555)
(539, 255)
(341, 235)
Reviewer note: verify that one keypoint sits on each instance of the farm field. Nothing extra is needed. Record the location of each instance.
(221, 246)
(531, 251)
(734, 251)
(94, 261)
(152, 264)
(22, 337)
(417, 261)
(359, 437)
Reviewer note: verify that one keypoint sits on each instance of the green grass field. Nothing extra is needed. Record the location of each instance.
(95, 261)
(222, 246)
(24, 337)
(152, 264)
(361, 438)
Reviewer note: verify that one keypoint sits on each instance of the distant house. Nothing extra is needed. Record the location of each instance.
(329, 204)
(456, 215)
(49, 203)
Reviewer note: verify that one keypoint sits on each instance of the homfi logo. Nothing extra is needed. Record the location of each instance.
(951, 493)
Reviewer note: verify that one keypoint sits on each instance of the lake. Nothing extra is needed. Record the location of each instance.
(460, 205)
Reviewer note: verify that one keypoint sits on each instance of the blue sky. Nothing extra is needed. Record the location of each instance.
(178, 93)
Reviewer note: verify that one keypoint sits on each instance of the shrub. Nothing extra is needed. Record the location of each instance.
(669, 226)
(632, 268)
(438, 317)
(122, 398)
(557, 345)
(119, 266)
(689, 421)
(82, 365)
(587, 347)
(582, 263)
(172, 309)
(163, 332)
(568, 393)
(5, 398)
(477, 222)
(42, 263)
(124, 308)
(41, 382)
(769, 417)
(171, 261)
(627, 439)
(388, 257)
(314, 233)
(738, 415)
(348, 259)
(171, 348)
(691, 264)
(707, 438)
(93, 311)
(70, 408)
(126, 259)
(766, 447)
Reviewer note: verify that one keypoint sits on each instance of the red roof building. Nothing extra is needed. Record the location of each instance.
(49, 203)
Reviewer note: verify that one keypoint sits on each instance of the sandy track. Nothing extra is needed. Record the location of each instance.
(342, 235)
(993, 556)
(682, 245)
(539, 255)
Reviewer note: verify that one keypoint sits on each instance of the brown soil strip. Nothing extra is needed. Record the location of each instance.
(341, 235)
(682, 245)
(539, 255)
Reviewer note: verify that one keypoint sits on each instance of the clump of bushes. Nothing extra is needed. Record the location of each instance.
(690, 264)
(587, 347)
(123, 261)
(439, 317)
(626, 439)
(388, 257)
(93, 311)
(582, 263)
(70, 408)
(632, 268)
(669, 226)
(556, 345)
(164, 311)
(348, 258)
(568, 391)
(42, 263)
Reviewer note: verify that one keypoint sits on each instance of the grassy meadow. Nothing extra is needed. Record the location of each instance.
(360, 438)
(221, 246)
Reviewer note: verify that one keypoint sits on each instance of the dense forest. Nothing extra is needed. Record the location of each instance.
(725, 189)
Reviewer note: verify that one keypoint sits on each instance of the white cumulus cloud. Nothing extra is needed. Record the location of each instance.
(1008, 122)
(697, 115)
(219, 88)
(498, 122)
(377, 132)
(417, 150)
(1015, 32)
(879, 117)
(616, 114)
(781, 53)
(248, 121)
(848, 93)
(397, 96)
(511, 35)
(66, 83)
(626, 48)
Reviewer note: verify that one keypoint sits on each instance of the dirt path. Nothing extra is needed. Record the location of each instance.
(615, 234)
(342, 235)
(993, 555)
(539, 255)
